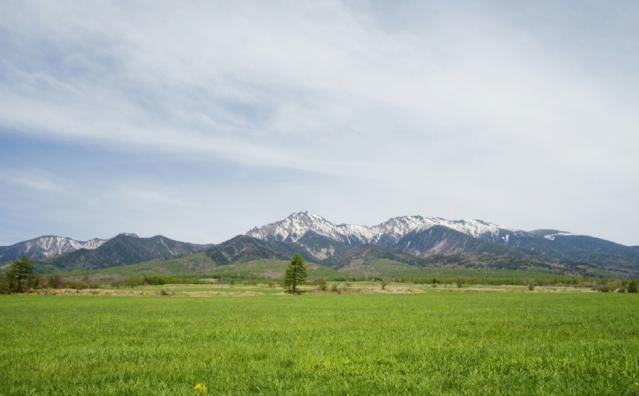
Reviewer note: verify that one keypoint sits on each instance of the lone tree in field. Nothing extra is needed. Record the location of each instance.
(20, 276)
(295, 273)
(632, 286)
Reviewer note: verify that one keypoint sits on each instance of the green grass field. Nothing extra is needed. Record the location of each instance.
(199, 265)
(438, 342)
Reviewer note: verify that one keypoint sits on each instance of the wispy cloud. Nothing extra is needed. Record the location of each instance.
(33, 180)
(450, 108)
(258, 84)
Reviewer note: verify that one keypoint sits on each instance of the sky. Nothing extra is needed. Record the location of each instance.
(199, 120)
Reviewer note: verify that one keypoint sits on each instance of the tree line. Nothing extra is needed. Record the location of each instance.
(21, 277)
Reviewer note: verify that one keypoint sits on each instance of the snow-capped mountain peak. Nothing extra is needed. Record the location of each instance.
(395, 228)
(294, 227)
(298, 224)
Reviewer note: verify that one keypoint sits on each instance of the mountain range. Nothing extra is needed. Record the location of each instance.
(414, 240)
(424, 240)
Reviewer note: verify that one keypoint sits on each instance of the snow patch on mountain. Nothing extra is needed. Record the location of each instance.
(551, 237)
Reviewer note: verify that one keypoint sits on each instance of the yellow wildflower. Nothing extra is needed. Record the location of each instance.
(201, 389)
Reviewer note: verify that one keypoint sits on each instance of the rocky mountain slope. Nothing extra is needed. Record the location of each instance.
(243, 248)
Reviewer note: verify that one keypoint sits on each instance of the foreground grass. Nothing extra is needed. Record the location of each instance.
(450, 342)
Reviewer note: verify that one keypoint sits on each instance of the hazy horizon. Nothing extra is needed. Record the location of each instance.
(199, 120)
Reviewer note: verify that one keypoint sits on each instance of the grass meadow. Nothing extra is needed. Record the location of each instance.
(199, 265)
(431, 343)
